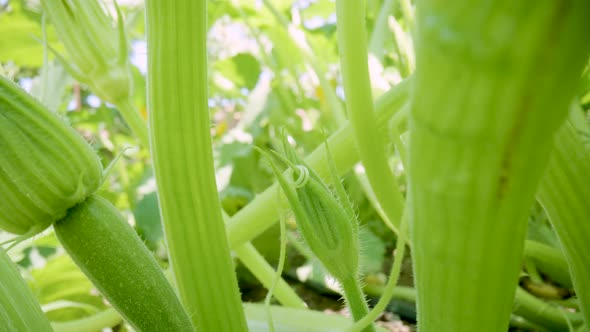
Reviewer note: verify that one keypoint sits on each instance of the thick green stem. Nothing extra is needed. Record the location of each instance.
(526, 306)
(543, 313)
(404, 293)
(550, 261)
(522, 323)
(481, 126)
(532, 272)
(183, 163)
(265, 274)
(352, 41)
(104, 319)
(564, 194)
(261, 213)
(355, 299)
(260, 268)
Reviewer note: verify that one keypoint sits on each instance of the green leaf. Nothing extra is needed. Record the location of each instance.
(319, 9)
(147, 217)
(235, 149)
(324, 39)
(60, 280)
(18, 42)
(286, 53)
(243, 70)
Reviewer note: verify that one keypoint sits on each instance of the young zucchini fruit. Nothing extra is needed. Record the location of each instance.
(19, 309)
(48, 175)
(117, 262)
(492, 84)
(46, 167)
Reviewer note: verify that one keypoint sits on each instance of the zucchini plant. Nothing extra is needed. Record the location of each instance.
(448, 138)
(50, 180)
(478, 147)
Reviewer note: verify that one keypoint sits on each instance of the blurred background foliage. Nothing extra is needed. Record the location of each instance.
(273, 64)
(266, 62)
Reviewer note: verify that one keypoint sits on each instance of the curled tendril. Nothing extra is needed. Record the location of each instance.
(303, 176)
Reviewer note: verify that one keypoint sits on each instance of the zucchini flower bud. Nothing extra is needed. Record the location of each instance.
(97, 46)
(326, 221)
(46, 167)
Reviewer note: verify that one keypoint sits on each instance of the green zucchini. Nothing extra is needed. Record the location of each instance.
(117, 262)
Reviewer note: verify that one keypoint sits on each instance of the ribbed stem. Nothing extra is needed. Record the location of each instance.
(261, 213)
(265, 274)
(104, 319)
(183, 163)
(352, 42)
(565, 195)
(481, 125)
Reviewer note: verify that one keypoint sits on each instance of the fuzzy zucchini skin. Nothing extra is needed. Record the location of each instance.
(492, 85)
(19, 309)
(117, 262)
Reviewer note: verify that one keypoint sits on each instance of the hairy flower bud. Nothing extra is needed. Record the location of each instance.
(325, 223)
(329, 231)
(46, 167)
